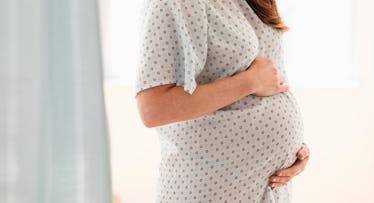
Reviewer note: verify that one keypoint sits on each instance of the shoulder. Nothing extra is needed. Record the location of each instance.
(165, 11)
(180, 2)
(176, 4)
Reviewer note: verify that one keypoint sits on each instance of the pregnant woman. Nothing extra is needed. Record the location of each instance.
(211, 81)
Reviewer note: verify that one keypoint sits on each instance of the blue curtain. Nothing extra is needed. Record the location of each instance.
(53, 136)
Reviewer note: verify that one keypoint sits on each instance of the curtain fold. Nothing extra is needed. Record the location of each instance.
(54, 145)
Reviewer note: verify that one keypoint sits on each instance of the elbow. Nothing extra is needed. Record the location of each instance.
(151, 109)
(147, 120)
(148, 123)
(149, 116)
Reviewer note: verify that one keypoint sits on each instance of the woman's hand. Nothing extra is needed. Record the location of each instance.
(264, 78)
(281, 177)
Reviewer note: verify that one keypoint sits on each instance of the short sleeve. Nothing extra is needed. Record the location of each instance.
(173, 44)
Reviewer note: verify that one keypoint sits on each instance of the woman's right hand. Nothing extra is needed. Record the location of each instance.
(264, 78)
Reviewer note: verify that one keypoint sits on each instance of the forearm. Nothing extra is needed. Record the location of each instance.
(177, 105)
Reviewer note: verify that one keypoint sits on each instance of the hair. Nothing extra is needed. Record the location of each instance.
(267, 11)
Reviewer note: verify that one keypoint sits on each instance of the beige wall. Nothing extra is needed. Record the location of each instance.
(339, 128)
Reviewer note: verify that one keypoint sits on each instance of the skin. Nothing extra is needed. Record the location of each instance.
(282, 177)
(169, 103)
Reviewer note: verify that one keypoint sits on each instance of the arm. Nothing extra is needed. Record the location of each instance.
(169, 103)
(165, 104)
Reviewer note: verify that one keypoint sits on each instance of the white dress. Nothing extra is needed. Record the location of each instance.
(227, 155)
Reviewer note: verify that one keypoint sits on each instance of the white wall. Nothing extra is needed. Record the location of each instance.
(339, 128)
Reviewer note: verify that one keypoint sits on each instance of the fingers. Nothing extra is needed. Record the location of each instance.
(294, 170)
(279, 179)
(275, 71)
(281, 79)
(291, 171)
(283, 176)
(276, 185)
(283, 88)
(303, 152)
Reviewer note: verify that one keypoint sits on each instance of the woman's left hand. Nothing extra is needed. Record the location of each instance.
(281, 177)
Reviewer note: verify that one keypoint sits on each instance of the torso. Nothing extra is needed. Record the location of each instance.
(237, 147)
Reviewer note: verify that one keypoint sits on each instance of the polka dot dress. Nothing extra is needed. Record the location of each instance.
(227, 155)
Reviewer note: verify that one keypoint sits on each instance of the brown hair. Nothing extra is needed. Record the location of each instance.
(267, 11)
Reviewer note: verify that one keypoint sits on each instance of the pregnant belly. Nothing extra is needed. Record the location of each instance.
(251, 137)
